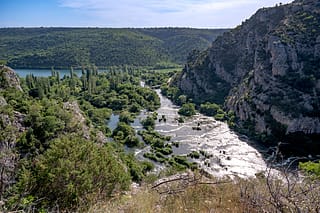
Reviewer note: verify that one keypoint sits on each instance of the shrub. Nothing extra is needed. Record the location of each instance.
(209, 109)
(187, 109)
(71, 171)
(312, 168)
(148, 123)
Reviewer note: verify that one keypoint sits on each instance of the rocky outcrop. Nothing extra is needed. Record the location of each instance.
(11, 126)
(8, 78)
(11, 129)
(80, 123)
(266, 70)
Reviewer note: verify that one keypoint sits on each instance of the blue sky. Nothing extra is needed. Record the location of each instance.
(129, 13)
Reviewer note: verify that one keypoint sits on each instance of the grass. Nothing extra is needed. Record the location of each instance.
(261, 194)
(200, 198)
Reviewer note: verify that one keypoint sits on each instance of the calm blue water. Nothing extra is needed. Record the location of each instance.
(136, 124)
(113, 121)
(43, 72)
(47, 72)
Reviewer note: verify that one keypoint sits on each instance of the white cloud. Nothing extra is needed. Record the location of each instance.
(191, 13)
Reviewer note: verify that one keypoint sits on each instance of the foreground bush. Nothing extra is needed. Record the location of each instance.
(73, 171)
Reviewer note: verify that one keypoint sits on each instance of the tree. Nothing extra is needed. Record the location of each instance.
(182, 99)
(126, 117)
(148, 123)
(74, 170)
(187, 109)
(122, 131)
(209, 109)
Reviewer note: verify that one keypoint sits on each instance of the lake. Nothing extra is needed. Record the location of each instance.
(47, 72)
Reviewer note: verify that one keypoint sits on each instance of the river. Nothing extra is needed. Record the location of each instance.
(230, 155)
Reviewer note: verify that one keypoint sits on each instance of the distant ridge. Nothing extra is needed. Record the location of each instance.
(64, 47)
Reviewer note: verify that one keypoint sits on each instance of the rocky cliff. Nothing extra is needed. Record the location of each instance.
(11, 127)
(267, 70)
(8, 78)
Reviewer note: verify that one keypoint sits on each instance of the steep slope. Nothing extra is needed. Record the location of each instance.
(267, 71)
(180, 41)
(63, 47)
(11, 128)
(8, 78)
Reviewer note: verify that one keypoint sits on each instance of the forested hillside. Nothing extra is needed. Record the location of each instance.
(65, 47)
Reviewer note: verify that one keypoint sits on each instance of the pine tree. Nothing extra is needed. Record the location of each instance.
(71, 72)
(58, 77)
(53, 72)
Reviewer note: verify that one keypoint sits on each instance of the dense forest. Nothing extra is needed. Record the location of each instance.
(65, 47)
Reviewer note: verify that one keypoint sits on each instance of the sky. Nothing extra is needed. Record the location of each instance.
(129, 13)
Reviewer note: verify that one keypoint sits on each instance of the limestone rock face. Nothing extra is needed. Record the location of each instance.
(79, 122)
(11, 126)
(267, 70)
(8, 78)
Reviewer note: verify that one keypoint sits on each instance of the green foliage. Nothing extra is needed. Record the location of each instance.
(131, 141)
(3, 62)
(157, 77)
(18, 100)
(99, 116)
(180, 41)
(187, 109)
(220, 116)
(194, 154)
(126, 117)
(72, 171)
(46, 119)
(209, 109)
(171, 92)
(65, 47)
(122, 131)
(312, 168)
(138, 169)
(182, 99)
(148, 123)
(180, 163)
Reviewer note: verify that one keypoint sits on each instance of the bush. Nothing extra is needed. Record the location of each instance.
(122, 131)
(148, 123)
(72, 171)
(194, 154)
(209, 109)
(311, 168)
(126, 117)
(187, 109)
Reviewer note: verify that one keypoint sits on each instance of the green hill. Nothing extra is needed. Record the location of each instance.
(65, 47)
